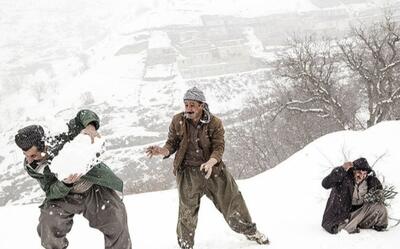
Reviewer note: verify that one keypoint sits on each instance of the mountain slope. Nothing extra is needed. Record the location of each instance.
(59, 58)
(287, 203)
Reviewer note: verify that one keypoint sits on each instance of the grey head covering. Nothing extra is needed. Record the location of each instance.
(197, 95)
(29, 136)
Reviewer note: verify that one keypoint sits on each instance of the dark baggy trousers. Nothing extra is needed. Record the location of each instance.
(102, 207)
(222, 191)
(368, 216)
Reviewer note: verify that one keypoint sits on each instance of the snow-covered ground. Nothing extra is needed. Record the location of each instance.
(287, 203)
(73, 43)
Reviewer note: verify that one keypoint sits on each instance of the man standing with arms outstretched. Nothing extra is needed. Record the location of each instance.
(197, 137)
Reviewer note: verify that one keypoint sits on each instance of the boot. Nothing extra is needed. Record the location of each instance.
(259, 238)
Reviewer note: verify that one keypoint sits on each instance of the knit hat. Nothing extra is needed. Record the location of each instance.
(29, 136)
(362, 164)
(197, 95)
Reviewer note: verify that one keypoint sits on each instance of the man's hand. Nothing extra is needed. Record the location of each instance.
(155, 150)
(347, 165)
(71, 179)
(207, 167)
(91, 131)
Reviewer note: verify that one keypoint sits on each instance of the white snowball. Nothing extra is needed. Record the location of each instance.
(77, 156)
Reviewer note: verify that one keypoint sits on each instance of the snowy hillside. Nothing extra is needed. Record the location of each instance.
(59, 58)
(287, 203)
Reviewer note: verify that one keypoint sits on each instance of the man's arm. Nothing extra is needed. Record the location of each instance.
(217, 141)
(217, 147)
(374, 183)
(334, 178)
(170, 146)
(84, 120)
(49, 183)
(172, 143)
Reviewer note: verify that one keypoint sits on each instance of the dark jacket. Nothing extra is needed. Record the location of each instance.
(339, 207)
(211, 141)
(100, 174)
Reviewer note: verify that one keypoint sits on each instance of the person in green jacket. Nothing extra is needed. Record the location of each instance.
(93, 194)
(197, 138)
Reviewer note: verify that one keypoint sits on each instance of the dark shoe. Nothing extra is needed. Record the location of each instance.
(379, 228)
(259, 238)
(357, 230)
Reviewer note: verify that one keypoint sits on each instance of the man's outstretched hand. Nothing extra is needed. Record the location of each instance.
(155, 150)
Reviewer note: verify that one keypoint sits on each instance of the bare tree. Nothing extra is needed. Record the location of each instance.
(312, 69)
(373, 55)
(323, 85)
(261, 140)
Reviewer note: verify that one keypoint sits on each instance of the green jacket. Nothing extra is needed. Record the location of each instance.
(100, 174)
(211, 139)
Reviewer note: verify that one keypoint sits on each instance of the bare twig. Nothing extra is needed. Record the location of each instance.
(379, 158)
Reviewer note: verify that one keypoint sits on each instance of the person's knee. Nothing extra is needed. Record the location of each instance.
(380, 209)
(55, 224)
(117, 222)
(39, 230)
(59, 243)
(383, 215)
(52, 238)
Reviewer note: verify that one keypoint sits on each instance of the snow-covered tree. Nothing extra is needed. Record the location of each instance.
(372, 53)
(323, 75)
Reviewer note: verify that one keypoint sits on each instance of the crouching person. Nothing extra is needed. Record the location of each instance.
(348, 207)
(92, 195)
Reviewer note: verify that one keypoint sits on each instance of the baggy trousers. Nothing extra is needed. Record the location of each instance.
(222, 191)
(102, 207)
(368, 216)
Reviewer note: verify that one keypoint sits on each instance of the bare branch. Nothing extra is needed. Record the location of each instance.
(379, 158)
(390, 66)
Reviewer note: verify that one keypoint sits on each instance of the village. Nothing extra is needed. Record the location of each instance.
(227, 44)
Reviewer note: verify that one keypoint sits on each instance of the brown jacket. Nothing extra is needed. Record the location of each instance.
(211, 138)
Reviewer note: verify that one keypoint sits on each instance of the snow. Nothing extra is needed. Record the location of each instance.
(286, 202)
(77, 156)
(160, 71)
(255, 45)
(78, 39)
(159, 39)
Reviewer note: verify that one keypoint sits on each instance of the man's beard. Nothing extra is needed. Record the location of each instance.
(188, 115)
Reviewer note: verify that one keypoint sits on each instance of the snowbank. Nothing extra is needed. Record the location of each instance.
(286, 202)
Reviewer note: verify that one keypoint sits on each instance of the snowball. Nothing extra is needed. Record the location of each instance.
(77, 156)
